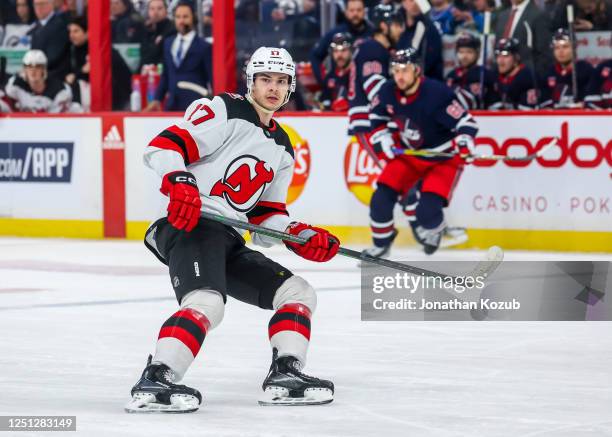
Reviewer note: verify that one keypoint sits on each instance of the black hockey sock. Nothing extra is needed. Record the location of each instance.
(429, 211)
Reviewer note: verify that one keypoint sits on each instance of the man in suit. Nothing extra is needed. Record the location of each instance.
(528, 24)
(50, 35)
(187, 64)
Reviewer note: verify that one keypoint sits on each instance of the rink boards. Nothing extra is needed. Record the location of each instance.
(82, 176)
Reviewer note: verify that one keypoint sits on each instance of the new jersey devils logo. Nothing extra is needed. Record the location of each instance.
(244, 182)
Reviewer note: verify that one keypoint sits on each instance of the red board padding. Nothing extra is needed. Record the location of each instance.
(113, 176)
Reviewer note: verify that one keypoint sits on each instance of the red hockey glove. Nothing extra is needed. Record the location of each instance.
(320, 247)
(340, 105)
(185, 203)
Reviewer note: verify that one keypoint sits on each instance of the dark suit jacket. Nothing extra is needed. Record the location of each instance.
(196, 67)
(535, 21)
(52, 39)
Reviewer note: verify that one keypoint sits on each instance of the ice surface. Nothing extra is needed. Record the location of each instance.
(78, 319)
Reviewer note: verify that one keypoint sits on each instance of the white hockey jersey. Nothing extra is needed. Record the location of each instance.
(242, 167)
(56, 98)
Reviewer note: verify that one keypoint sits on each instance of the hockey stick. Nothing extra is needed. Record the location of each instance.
(485, 43)
(534, 79)
(365, 145)
(433, 154)
(483, 268)
(572, 32)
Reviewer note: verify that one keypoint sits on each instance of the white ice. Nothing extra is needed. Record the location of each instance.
(78, 319)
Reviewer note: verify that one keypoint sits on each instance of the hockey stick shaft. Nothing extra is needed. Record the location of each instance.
(342, 250)
(365, 145)
(572, 32)
(485, 44)
(434, 154)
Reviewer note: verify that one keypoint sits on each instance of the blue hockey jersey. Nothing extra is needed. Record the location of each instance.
(466, 84)
(369, 69)
(516, 91)
(556, 86)
(429, 119)
(599, 93)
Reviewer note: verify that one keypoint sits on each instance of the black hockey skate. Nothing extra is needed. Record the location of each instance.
(156, 392)
(378, 251)
(430, 240)
(286, 385)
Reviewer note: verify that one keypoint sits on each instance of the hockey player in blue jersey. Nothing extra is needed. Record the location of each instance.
(334, 96)
(370, 65)
(556, 85)
(599, 94)
(468, 78)
(516, 84)
(355, 24)
(428, 116)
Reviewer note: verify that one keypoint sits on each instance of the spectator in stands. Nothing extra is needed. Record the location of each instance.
(356, 25)
(24, 12)
(34, 91)
(248, 11)
(158, 27)
(422, 35)
(51, 36)
(516, 85)
(473, 84)
(187, 64)
(442, 15)
(528, 24)
(556, 87)
(472, 18)
(599, 93)
(334, 95)
(78, 77)
(127, 26)
(595, 15)
(72, 10)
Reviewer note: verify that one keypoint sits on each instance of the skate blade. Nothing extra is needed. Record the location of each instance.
(146, 403)
(453, 239)
(278, 396)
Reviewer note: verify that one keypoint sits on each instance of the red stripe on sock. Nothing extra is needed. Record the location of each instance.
(181, 335)
(195, 316)
(296, 308)
(289, 325)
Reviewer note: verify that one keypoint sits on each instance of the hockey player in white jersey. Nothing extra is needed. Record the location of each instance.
(229, 157)
(33, 91)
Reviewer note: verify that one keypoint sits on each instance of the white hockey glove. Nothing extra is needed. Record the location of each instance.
(465, 144)
(382, 142)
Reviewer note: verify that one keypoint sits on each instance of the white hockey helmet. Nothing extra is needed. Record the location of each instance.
(33, 58)
(273, 60)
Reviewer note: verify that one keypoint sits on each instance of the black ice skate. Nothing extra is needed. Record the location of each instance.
(286, 385)
(430, 240)
(451, 236)
(156, 392)
(379, 251)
